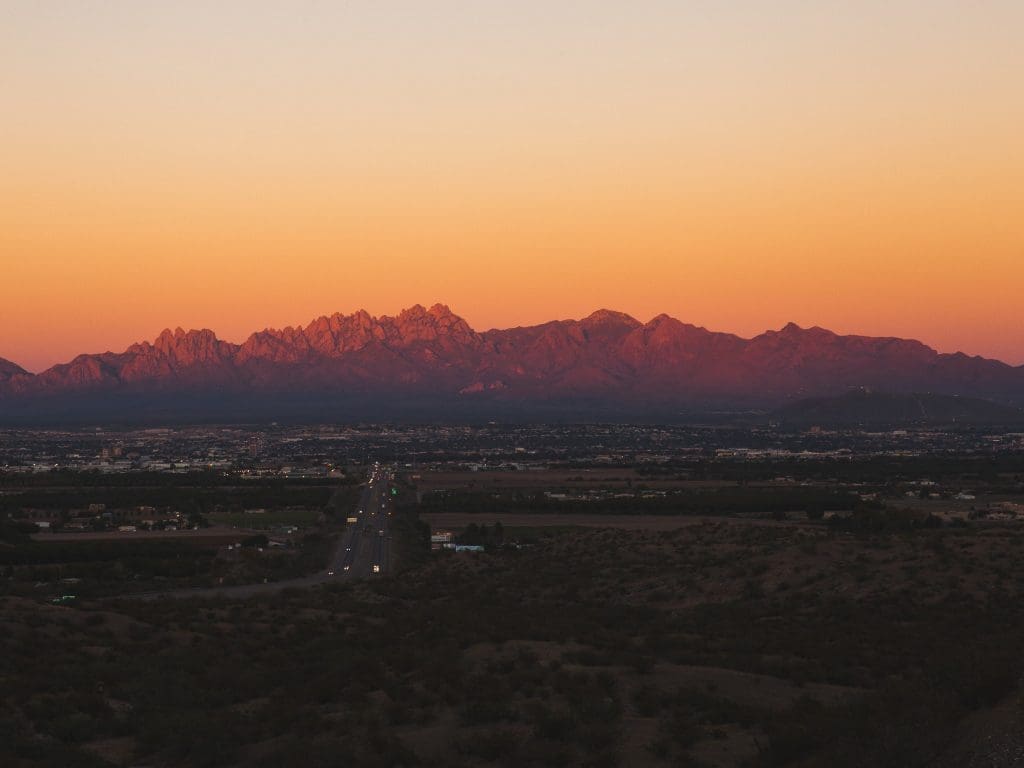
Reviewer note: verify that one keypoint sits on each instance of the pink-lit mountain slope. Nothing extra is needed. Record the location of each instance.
(608, 357)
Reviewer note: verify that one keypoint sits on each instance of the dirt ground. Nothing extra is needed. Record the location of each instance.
(459, 520)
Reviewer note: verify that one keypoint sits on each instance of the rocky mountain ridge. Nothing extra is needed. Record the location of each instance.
(607, 357)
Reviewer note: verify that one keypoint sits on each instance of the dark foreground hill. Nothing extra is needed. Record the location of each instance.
(881, 409)
(428, 364)
(728, 643)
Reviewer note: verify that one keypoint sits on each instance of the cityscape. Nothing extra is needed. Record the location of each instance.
(329, 451)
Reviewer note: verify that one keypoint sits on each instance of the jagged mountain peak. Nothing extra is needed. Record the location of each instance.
(795, 330)
(662, 319)
(610, 317)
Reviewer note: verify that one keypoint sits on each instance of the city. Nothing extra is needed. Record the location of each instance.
(590, 564)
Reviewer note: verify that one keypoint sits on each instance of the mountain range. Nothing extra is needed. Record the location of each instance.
(608, 363)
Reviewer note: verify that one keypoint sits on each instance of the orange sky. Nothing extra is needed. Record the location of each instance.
(850, 165)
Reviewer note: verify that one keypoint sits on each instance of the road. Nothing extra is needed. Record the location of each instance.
(363, 552)
(365, 548)
(213, 532)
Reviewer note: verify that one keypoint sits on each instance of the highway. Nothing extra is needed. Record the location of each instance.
(365, 547)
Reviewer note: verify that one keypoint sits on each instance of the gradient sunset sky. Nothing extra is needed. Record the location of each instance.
(234, 165)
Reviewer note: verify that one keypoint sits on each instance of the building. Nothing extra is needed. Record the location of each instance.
(440, 539)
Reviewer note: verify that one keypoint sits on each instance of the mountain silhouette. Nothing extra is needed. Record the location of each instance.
(608, 362)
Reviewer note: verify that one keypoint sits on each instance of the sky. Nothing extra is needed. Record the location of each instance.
(238, 165)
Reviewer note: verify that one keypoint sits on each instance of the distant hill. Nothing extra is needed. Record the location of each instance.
(429, 364)
(881, 409)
